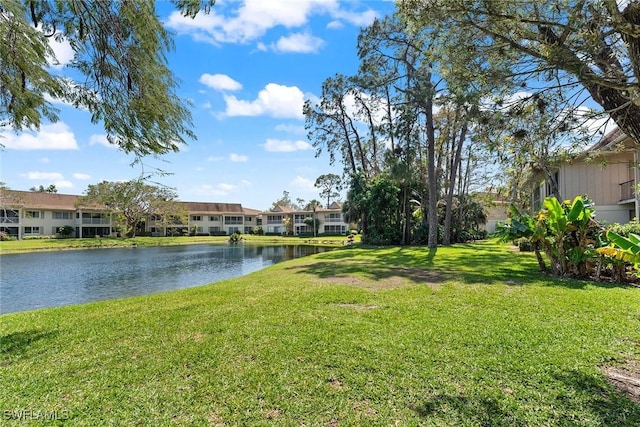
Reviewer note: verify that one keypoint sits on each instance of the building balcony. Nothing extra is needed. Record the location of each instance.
(627, 190)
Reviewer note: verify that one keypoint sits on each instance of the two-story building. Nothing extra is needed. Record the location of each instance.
(282, 219)
(30, 214)
(26, 214)
(606, 172)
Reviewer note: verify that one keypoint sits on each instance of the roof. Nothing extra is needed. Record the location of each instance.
(41, 200)
(248, 211)
(208, 207)
(61, 202)
(610, 141)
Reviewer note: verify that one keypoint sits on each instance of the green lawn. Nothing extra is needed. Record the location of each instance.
(16, 246)
(468, 335)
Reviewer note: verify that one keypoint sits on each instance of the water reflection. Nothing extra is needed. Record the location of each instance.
(48, 279)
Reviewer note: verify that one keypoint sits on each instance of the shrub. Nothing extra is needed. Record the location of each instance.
(5, 237)
(631, 227)
(65, 232)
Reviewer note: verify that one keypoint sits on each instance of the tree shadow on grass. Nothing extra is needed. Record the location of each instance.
(17, 344)
(585, 400)
(609, 406)
(473, 263)
(419, 265)
(458, 409)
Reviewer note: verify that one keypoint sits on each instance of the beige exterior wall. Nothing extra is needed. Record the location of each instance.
(600, 181)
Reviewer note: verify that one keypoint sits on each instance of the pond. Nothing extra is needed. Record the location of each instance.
(48, 279)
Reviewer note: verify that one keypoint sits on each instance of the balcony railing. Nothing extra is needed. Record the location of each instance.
(9, 220)
(105, 221)
(334, 220)
(627, 190)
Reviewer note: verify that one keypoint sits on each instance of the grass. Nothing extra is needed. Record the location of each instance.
(29, 245)
(468, 335)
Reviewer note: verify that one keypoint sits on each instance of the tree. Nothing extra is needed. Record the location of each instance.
(120, 50)
(330, 185)
(284, 201)
(42, 189)
(313, 205)
(342, 123)
(132, 200)
(574, 46)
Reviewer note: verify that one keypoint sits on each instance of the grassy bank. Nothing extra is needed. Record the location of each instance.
(30, 245)
(467, 335)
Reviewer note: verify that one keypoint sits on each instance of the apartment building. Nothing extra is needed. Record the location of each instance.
(31, 214)
(607, 173)
(283, 219)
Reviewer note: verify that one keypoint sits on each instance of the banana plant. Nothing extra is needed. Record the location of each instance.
(624, 250)
(571, 230)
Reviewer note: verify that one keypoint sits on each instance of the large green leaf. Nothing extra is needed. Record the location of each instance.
(577, 209)
(632, 246)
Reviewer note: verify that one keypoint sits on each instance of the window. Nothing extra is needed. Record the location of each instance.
(155, 218)
(333, 217)
(153, 230)
(234, 229)
(274, 219)
(9, 216)
(214, 218)
(61, 215)
(32, 230)
(299, 218)
(95, 218)
(196, 218)
(214, 230)
(248, 218)
(549, 187)
(233, 219)
(335, 229)
(32, 214)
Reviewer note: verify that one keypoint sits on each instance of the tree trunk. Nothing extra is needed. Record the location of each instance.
(432, 215)
(452, 183)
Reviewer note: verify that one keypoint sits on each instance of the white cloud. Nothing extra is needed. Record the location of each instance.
(274, 100)
(207, 189)
(56, 136)
(62, 51)
(43, 176)
(286, 146)
(206, 105)
(303, 183)
(359, 19)
(298, 43)
(81, 176)
(215, 158)
(63, 184)
(335, 25)
(245, 182)
(226, 187)
(293, 129)
(54, 178)
(219, 82)
(45, 160)
(243, 22)
(100, 139)
(238, 157)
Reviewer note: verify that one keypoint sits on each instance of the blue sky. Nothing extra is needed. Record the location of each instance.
(247, 67)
